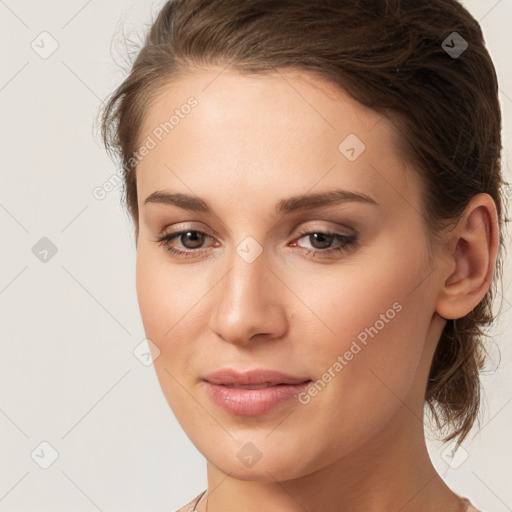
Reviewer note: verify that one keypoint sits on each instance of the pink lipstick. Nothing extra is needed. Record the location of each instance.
(252, 392)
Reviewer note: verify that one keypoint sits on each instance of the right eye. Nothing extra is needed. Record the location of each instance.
(191, 240)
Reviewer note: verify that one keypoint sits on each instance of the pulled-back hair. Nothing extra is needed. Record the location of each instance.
(398, 57)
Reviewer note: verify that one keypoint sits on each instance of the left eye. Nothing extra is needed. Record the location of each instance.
(322, 242)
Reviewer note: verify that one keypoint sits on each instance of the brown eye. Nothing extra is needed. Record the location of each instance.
(192, 239)
(324, 243)
(185, 244)
(321, 240)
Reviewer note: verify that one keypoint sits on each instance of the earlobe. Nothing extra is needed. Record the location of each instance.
(467, 275)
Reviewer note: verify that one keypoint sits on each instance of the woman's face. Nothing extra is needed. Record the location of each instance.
(276, 274)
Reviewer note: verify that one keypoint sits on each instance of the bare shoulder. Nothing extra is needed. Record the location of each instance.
(469, 506)
(190, 507)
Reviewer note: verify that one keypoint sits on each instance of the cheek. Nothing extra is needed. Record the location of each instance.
(166, 294)
(369, 298)
(375, 314)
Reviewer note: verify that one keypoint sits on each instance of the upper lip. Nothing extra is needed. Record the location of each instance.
(228, 376)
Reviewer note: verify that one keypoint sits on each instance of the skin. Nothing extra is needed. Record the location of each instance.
(251, 142)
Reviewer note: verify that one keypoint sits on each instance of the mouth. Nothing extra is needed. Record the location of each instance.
(255, 377)
(253, 392)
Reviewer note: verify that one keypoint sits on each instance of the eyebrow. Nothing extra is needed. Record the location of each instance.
(291, 204)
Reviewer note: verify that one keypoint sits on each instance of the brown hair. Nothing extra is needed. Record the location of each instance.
(390, 55)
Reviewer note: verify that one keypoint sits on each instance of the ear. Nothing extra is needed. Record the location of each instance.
(472, 247)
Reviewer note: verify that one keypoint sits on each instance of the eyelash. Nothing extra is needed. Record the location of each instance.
(348, 242)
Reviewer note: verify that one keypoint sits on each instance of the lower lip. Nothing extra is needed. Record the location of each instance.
(252, 402)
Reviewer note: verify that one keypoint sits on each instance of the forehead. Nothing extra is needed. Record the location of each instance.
(224, 96)
(283, 129)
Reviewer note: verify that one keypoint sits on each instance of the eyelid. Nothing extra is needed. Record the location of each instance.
(181, 227)
(184, 227)
(341, 229)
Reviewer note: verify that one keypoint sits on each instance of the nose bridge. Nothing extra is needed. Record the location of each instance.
(249, 272)
(243, 286)
(247, 299)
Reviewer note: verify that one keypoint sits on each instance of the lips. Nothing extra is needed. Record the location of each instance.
(253, 392)
(252, 379)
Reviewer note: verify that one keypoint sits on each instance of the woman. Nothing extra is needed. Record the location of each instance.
(316, 194)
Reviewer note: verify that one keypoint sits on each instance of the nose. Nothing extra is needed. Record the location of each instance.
(249, 303)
